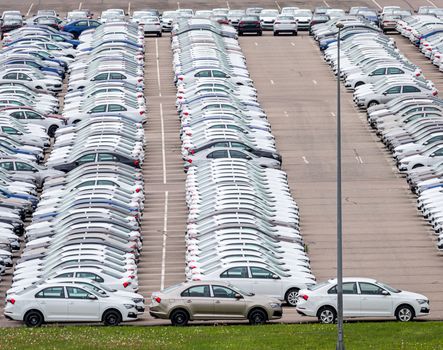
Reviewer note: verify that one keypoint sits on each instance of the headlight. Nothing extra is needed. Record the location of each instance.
(129, 306)
(422, 301)
(275, 305)
(138, 300)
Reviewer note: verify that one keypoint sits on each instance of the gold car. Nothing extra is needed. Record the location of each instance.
(212, 300)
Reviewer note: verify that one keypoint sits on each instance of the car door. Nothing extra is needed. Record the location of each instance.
(228, 303)
(82, 306)
(351, 298)
(375, 301)
(265, 282)
(197, 299)
(53, 303)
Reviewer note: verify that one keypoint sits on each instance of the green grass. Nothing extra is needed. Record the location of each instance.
(365, 336)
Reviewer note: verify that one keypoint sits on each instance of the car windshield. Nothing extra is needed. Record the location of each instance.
(171, 288)
(240, 291)
(269, 13)
(318, 286)
(389, 288)
(302, 13)
(251, 18)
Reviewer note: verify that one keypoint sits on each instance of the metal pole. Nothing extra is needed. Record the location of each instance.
(340, 341)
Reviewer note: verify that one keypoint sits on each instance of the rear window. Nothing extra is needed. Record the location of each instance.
(250, 18)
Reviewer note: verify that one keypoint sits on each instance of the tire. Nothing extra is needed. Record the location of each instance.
(257, 316)
(240, 33)
(112, 318)
(33, 318)
(359, 83)
(159, 34)
(327, 315)
(404, 313)
(52, 129)
(291, 297)
(260, 33)
(372, 103)
(179, 318)
(295, 33)
(275, 33)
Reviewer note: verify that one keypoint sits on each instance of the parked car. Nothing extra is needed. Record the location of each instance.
(191, 301)
(362, 297)
(66, 302)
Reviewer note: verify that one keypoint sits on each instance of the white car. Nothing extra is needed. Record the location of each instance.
(67, 302)
(285, 24)
(362, 297)
(258, 278)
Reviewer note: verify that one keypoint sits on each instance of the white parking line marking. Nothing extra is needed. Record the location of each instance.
(315, 82)
(80, 6)
(377, 4)
(278, 6)
(162, 127)
(305, 160)
(178, 5)
(429, 1)
(333, 114)
(272, 82)
(359, 160)
(256, 43)
(327, 5)
(30, 9)
(129, 8)
(227, 5)
(165, 235)
(158, 68)
(293, 44)
(286, 114)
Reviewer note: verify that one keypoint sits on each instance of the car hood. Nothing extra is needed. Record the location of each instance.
(407, 294)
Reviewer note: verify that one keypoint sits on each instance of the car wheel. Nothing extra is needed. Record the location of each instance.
(359, 83)
(52, 129)
(291, 297)
(327, 315)
(112, 318)
(275, 33)
(372, 103)
(295, 33)
(179, 318)
(260, 33)
(404, 313)
(240, 33)
(33, 318)
(159, 34)
(257, 316)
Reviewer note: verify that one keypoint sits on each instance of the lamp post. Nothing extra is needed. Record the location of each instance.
(340, 341)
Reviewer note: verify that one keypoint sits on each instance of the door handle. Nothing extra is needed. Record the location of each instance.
(189, 301)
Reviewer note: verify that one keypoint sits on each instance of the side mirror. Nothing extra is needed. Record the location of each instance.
(275, 277)
(238, 296)
(248, 157)
(385, 93)
(385, 292)
(432, 155)
(92, 297)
